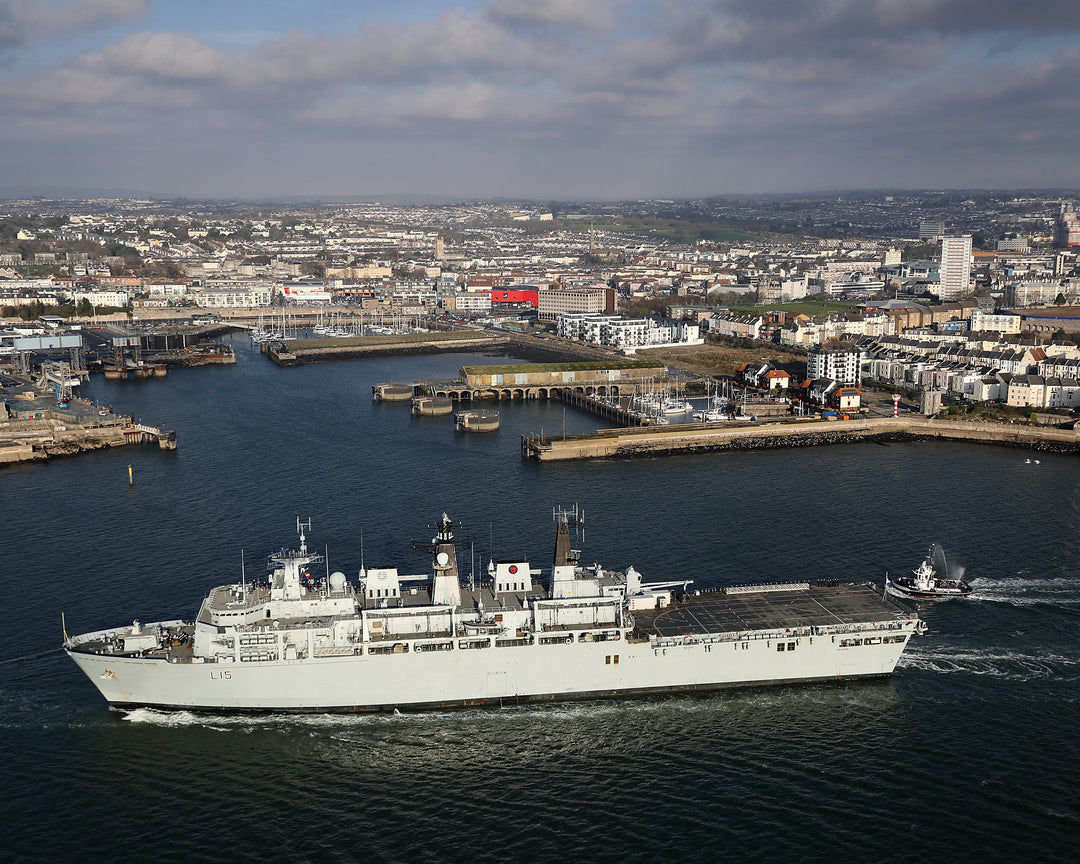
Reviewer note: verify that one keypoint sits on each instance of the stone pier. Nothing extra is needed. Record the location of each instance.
(701, 438)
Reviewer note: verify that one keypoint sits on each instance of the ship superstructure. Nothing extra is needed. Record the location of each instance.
(304, 641)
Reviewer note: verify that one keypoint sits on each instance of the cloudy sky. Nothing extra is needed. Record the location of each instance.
(549, 99)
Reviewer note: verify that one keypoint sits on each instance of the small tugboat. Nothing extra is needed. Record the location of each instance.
(925, 584)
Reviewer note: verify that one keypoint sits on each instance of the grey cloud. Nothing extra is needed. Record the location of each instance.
(854, 24)
(879, 18)
(163, 55)
(588, 14)
(863, 92)
(30, 20)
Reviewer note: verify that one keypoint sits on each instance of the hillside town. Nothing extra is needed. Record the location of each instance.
(960, 300)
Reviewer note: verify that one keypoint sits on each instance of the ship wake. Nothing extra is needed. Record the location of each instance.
(1018, 591)
(992, 662)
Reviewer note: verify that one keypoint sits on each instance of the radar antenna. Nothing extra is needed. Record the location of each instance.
(301, 527)
(572, 517)
(565, 518)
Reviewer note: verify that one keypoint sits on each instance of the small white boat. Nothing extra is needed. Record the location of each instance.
(676, 406)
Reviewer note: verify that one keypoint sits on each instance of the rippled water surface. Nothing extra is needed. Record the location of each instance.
(968, 753)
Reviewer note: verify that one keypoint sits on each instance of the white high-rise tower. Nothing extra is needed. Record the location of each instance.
(955, 267)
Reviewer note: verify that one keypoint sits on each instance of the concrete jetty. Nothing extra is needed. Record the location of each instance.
(701, 438)
(33, 430)
(44, 439)
(297, 352)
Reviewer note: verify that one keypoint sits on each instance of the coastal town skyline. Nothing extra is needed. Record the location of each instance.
(587, 100)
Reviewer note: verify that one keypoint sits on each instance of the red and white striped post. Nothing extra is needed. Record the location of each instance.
(896, 405)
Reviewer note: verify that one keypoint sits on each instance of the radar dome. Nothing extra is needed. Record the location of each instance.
(337, 581)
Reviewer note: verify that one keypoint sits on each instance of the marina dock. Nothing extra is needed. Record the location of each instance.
(708, 438)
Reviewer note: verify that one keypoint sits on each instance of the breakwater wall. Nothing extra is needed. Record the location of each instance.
(297, 352)
(695, 438)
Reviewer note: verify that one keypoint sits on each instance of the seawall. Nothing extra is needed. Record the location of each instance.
(296, 352)
(700, 438)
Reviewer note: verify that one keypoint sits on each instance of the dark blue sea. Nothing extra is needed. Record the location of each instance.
(969, 753)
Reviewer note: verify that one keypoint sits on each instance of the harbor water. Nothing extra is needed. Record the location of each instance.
(968, 753)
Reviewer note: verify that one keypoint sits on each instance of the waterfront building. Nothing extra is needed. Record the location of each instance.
(752, 374)
(1026, 391)
(244, 295)
(828, 393)
(835, 360)
(468, 302)
(626, 334)
(521, 296)
(776, 379)
(553, 302)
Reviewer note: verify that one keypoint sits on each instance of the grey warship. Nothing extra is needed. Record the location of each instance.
(294, 642)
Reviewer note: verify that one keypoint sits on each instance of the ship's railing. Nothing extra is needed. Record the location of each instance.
(389, 648)
(793, 633)
(379, 636)
(334, 650)
(258, 656)
(767, 587)
(516, 642)
(256, 595)
(162, 628)
(557, 639)
(466, 644)
(446, 645)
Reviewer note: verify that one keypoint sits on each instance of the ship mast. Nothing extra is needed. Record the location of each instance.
(445, 589)
(291, 564)
(565, 560)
